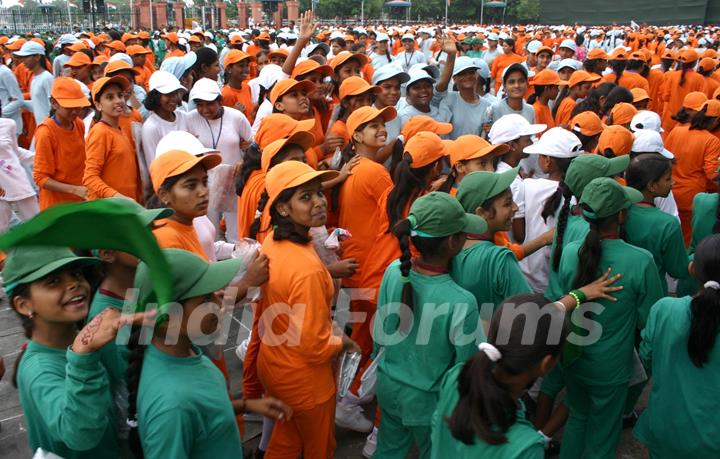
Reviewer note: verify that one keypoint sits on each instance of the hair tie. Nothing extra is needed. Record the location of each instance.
(491, 351)
(712, 284)
(132, 422)
(405, 279)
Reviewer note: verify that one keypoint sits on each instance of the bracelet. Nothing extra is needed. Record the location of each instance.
(581, 295)
(561, 306)
(578, 296)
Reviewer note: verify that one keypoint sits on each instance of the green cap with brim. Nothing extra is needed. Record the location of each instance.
(604, 197)
(147, 216)
(478, 187)
(191, 276)
(438, 214)
(585, 168)
(27, 264)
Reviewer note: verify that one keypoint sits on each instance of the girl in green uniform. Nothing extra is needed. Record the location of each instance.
(425, 322)
(64, 389)
(599, 368)
(679, 344)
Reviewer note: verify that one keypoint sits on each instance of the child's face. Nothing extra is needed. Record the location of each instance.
(262, 60)
(352, 103)
(543, 60)
(97, 72)
(583, 89)
(641, 105)
(476, 164)
(516, 85)
(500, 219)
(294, 103)
(390, 92)
(112, 101)
(80, 73)
(240, 70)
(466, 79)
(212, 70)
(420, 93)
(307, 207)
(373, 135)
(62, 296)
(201, 317)
(565, 73)
(188, 197)
(209, 110)
(663, 185)
(278, 59)
(350, 68)
(64, 113)
(170, 102)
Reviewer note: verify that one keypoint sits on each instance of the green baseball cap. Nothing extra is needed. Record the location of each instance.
(587, 167)
(146, 215)
(438, 214)
(191, 276)
(606, 197)
(25, 264)
(478, 187)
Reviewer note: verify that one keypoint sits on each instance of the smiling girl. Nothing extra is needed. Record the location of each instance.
(162, 102)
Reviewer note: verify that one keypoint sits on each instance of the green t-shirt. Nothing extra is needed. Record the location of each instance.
(523, 441)
(704, 213)
(576, 229)
(445, 330)
(112, 356)
(681, 419)
(184, 410)
(67, 403)
(660, 234)
(491, 273)
(607, 359)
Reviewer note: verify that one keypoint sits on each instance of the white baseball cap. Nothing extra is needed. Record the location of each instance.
(30, 48)
(492, 36)
(417, 75)
(66, 39)
(649, 141)
(483, 68)
(569, 44)
(390, 71)
(182, 140)
(205, 89)
(164, 82)
(572, 63)
(646, 119)
(381, 36)
(533, 46)
(269, 75)
(557, 143)
(179, 65)
(407, 36)
(121, 57)
(511, 127)
(463, 63)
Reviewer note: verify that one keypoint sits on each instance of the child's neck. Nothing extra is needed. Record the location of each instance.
(515, 103)
(365, 151)
(55, 335)
(166, 115)
(65, 123)
(182, 349)
(648, 196)
(113, 121)
(555, 175)
(235, 83)
(183, 219)
(432, 266)
(118, 280)
(469, 95)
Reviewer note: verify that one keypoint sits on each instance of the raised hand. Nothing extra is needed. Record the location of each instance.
(104, 328)
(307, 26)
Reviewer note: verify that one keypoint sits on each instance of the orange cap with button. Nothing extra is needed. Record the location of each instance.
(68, 94)
(581, 76)
(99, 60)
(100, 83)
(587, 123)
(291, 174)
(425, 148)
(117, 45)
(78, 60)
(134, 50)
(694, 100)
(597, 53)
(128, 36)
(354, 86)
(617, 139)
(420, 123)
(234, 56)
(711, 53)
(639, 94)
(619, 54)
(16, 45)
(263, 36)
(365, 114)
(236, 40)
(172, 36)
(344, 56)
(118, 65)
(177, 162)
(283, 87)
(712, 108)
(668, 54)
(77, 46)
(687, 56)
(471, 146)
(547, 77)
(302, 139)
(278, 125)
(707, 64)
(309, 66)
(194, 39)
(622, 113)
(544, 49)
(143, 35)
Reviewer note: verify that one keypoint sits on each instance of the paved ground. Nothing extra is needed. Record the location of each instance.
(13, 441)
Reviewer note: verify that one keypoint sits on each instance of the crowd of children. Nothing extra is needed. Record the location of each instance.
(513, 212)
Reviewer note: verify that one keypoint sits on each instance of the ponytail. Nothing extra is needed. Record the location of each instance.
(684, 67)
(251, 163)
(283, 227)
(21, 291)
(561, 225)
(402, 233)
(553, 202)
(396, 156)
(705, 305)
(590, 255)
(450, 181)
(255, 225)
(346, 155)
(135, 364)
(409, 183)
(682, 116)
(539, 90)
(563, 94)
(618, 68)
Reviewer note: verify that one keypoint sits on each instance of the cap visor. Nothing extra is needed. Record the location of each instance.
(170, 89)
(54, 266)
(535, 129)
(617, 165)
(73, 103)
(666, 153)
(444, 128)
(474, 224)
(632, 196)
(217, 276)
(504, 181)
(150, 215)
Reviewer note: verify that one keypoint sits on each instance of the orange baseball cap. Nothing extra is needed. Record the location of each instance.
(365, 114)
(623, 113)
(4, 39)
(176, 162)
(77, 46)
(587, 123)
(597, 53)
(278, 125)
(117, 45)
(619, 54)
(195, 39)
(425, 148)
(234, 56)
(712, 108)
(544, 49)
(616, 138)
(716, 94)
(99, 60)
(118, 65)
(236, 40)
(128, 36)
(468, 147)
(67, 92)
(711, 53)
(172, 36)
(291, 174)
(639, 94)
(143, 34)
(354, 86)
(420, 123)
(707, 64)
(344, 56)
(637, 56)
(303, 139)
(78, 60)
(309, 66)
(694, 100)
(688, 55)
(100, 83)
(134, 50)
(283, 87)
(263, 36)
(16, 45)
(547, 77)
(581, 76)
(279, 52)
(668, 54)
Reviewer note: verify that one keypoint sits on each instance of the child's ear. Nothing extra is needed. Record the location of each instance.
(106, 255)
(23, 306)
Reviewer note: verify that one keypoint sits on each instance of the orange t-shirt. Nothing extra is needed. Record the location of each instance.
(629, 80)
(232, 96)
(111, 165)
(655, 79)
(543, 115)
(175, 53)
(672, 94)
(142, 77)
(298, 371)
(248, 202)
(501, 62)
(711, 86)
(59, 155)
(564, 112)
(359, 199)
(171, 234)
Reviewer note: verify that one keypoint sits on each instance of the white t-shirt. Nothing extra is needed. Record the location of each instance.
(378, 60)
(407, 60)
(59, 64)
(13, 178)
(466, 118)
(40, 95)
(154, 128)
(265, 109)
(10, 89)
(224, 134)
(668, 205)
(517, 188)
(535, 266)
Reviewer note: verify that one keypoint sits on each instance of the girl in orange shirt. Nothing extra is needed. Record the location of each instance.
(236, 93)
(577, 87)
(301, 371)
(60, 146)
(111, 166)
(679, 83)
(546, 83)
(503, 61)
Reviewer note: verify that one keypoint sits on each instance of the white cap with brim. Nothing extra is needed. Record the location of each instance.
(569, 44)
(382, 37)
(649, 141)
(463, 63)
(492, 37)
(387, 72)
(205, 89)
(557, 143)
(646, 119)
(418, 75)
(483, 68)
(164, 82)
(30, 48)
(569, 63)
(407, 36)
(182, 140)
(179, 65)
(121, 57)
(512, 127)
(533, 46)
